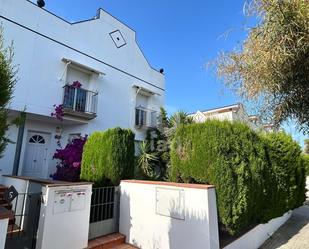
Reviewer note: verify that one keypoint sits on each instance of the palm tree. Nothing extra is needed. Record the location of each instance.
(177, 119)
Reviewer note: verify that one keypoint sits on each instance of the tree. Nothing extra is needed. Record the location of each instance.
(271, 68)
(159, 140)
(7, 82)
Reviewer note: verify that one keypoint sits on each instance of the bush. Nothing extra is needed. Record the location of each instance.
(306, 163)
(68, 169)
(108, 157)
(236, 160)
(288, 171)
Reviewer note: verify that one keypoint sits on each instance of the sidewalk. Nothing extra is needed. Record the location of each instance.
(294, 234)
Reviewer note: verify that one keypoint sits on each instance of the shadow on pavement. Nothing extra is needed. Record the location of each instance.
(297, 225)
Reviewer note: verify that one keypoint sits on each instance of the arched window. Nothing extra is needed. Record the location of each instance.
(37, 139)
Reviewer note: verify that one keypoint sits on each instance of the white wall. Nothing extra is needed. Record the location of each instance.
(6, 162)
(41, 40)
(258, 235)
(68, 229)
(144, 227)
(3, 230)
(39, 87)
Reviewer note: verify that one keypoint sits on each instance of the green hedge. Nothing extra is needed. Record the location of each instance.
(288, 171)
(306, 162)
(237, 161)
(108, 157)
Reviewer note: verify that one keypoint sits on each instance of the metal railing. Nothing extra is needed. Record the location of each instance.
(145, 117)
(79, 99)
(102, 204)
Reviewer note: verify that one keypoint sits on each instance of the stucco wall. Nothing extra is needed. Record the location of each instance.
(145, 227)
(258, 235)
(42, 40)
(3, 231)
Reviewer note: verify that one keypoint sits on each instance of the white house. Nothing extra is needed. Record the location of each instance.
(118, 85)
(234, 112)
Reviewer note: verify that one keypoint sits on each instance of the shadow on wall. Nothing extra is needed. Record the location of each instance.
(192, 229)
(154, 244)
(190, 232)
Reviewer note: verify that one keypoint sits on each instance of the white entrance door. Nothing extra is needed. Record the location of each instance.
(35, 161)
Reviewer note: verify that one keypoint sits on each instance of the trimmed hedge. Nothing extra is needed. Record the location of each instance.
(240, 164)
(288, 171)
(108, 157)
(306, 162)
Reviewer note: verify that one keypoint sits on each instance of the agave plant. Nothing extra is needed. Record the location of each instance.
(147, 160)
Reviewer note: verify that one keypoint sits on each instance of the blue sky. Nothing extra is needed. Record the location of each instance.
(179, 36)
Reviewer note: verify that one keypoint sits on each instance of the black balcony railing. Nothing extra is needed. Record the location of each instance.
(80, 100)
(145, 117)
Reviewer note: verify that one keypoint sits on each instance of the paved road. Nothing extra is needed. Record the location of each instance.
(294, 234)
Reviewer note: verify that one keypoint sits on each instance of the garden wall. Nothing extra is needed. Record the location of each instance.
(168, 215)
(258, 235)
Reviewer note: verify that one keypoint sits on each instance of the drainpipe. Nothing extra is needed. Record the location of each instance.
(19, 143)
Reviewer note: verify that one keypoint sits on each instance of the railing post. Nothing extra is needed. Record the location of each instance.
(75, 97)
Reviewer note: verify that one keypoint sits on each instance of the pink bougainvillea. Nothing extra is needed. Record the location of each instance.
(76, 84)
(68, 167)
(58, 113)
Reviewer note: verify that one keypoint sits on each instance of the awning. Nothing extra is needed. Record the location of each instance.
(144, 90)
(79, 65)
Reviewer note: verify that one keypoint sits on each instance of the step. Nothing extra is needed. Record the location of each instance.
(3, 188)
(3, 201)
(8, 206)
(112, 241)
(125, 246)
(14, 230)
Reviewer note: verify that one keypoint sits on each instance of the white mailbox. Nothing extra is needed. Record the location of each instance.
(61, 226)
(62, 201)
(78, 201)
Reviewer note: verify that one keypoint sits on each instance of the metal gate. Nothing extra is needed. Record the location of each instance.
(104, 214)
(22, 229)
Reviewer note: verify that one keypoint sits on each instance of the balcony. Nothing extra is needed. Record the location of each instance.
(145, 118)
(79, 102)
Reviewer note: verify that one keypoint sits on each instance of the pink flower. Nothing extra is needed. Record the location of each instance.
(76, 164)
(76, 84)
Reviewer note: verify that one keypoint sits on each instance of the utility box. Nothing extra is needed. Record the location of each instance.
(64, 217)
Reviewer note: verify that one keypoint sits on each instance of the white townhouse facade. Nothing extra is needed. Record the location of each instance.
(235, 112)
(93, 68)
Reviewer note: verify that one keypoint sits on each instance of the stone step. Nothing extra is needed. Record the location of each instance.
(111, 241)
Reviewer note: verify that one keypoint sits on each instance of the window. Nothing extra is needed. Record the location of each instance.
(137, 145)
(140, 116)
(73, 136)
(37, 139)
